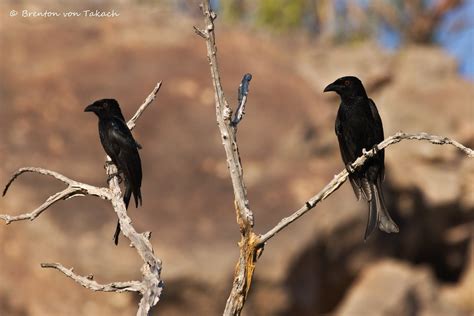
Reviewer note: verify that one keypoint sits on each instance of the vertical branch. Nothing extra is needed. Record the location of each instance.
(224, 114)
(151, 269)
(228, 129)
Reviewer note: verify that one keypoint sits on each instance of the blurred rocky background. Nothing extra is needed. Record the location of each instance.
(51, 68)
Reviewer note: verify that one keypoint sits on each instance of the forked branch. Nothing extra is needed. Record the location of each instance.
(73, 189)
(89, 283)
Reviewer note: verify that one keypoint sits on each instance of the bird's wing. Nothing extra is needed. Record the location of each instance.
(128, 159)
(348, 158)
(378, 127)
(378, 131)
(120, 134)
(130, 162)
(372, 218)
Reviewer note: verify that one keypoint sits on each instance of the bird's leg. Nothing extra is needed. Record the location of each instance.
(349, 168)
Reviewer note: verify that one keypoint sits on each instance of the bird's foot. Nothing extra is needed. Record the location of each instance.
(349, 168)
(374, 149)
(107, 164)
(111, 176)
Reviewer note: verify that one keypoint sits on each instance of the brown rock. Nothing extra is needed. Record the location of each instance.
(394, 288)
(462, 294)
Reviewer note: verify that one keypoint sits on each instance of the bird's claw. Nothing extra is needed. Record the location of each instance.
(366, 152)
(111, 176)
(107, 164)
(349, 168)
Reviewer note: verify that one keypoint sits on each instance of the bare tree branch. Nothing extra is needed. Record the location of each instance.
(89, 283)
(149, 99)
(340, 178)
(151, 270)
(151, 286)
(246, 263)
(200, 32)
(73, 189)
(224, 113)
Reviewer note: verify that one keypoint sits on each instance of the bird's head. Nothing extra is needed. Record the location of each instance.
(347, 87)
(104, 108)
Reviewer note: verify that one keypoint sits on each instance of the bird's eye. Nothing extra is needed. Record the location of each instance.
(347, 83)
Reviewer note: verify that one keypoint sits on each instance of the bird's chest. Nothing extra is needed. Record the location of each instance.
(108, 143)
(355, 125)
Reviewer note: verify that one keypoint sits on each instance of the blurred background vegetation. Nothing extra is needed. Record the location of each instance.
(393, 23)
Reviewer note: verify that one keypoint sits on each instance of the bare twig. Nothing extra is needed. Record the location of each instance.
(200, 32)
(242, 98)
(144, 106)
(89, 283)
(73, 189)
(340, 178)
(151, 286)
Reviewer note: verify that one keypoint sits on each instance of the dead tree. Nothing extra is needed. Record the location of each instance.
(251, 244)
(151, 286)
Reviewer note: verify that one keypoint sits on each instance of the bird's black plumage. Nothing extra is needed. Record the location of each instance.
(121, 147)
(358, 127)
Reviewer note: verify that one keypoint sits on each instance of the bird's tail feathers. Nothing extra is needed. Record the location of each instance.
(136, 178)
(378, 214)
(126, 200)
(366, 189)
(127, 195)
(356, 187)
(138, 197)
(384, 221)
(372, 219)
(117, 233)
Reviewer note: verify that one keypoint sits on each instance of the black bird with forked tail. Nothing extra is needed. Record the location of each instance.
(358, 127)
(121, 147)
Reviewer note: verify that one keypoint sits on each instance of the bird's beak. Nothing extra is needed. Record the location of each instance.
(332, 87)
(90, 108)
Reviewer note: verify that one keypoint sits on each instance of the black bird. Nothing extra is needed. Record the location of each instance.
(358, 127)
(121, 147)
